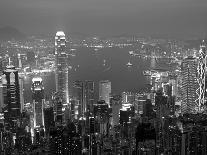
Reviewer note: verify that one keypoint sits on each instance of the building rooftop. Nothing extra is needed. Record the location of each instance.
(60, 33)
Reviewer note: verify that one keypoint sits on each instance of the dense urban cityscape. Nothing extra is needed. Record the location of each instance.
(81, 116)
(103, 77)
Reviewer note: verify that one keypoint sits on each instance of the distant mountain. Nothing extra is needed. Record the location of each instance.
(8, 33)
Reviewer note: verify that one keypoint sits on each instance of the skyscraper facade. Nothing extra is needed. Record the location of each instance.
(105, 91)
(202, 76)
(190, 85)
(10, 80)
(61, 74)
(84, 94)
(38, 101)
(89, 94)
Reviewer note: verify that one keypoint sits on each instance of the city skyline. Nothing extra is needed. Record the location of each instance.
(103, 77)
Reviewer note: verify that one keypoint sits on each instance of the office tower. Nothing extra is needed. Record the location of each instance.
(101, 114)
(161, 104)
(21, 89)
(3, 92)
(202, 77)
(78, 91)
(49, 118)
(105, 91)
(83, 92)
(61, 74)
(89, 94)
(189, 86)
(58, 113)
(116, 105)
(11, 97)
(38, 101)
(19, 61)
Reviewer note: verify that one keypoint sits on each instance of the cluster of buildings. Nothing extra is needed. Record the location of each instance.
(168, 119)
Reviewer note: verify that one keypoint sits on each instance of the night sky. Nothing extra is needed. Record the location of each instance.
(106, 17)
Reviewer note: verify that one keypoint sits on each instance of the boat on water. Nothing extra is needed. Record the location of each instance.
(129, 64)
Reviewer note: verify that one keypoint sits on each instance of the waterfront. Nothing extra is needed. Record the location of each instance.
(104, 64)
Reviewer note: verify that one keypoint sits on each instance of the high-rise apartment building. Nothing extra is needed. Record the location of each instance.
(189, 86)
(105, 91)
(38, 101)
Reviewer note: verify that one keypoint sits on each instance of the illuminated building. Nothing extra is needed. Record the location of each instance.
(105, 91)
(78, 90)
(19, 61)
(202, 77)
(84, 95)
(89, 94)
(125, 113)
(101, 114)
(61, 74)
(161, 104)
(116, 105)
(38, 102)
(189, 86)
(128, 97)
(174, 82)
(12, 107)
(2, 92)
(21, 89)
(58, 112)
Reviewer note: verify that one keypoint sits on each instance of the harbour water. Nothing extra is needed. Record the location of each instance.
(102, 64)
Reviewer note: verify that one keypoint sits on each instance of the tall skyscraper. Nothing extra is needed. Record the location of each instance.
(189, 86)
(61, 76)
(89, 94)
(105, 91)
(10, 80)
(21, 89)
(78, 92)
(38, 101)
(202, 76)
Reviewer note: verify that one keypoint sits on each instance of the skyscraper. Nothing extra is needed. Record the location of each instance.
(105, 91)
(38, 101)
(78, 92)
(202, 76)
(61, 74)
(189, 86)
(21, 89)
(11, 110)
(89, 94)
(84, 95)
